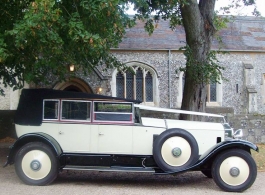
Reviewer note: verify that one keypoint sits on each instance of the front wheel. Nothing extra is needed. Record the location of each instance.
(234, 170)
(36, 164)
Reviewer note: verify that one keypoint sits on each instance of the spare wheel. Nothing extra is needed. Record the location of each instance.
(175, 150)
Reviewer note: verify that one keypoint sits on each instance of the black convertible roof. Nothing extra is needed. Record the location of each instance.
(30, 107)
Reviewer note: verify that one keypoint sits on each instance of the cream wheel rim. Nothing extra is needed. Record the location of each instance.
(234, 171)
(176, 151)
(36, 164)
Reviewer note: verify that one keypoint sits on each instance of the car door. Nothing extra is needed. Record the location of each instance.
(114, 126)
(74, 130)
(115, 139)
(74, 137)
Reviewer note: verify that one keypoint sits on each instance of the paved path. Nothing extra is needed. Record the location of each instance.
(74, 182)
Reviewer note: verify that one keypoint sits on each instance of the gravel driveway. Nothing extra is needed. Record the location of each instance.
(106, 183)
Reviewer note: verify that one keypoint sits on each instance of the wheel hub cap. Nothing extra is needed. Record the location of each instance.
(35, 165)
(176, 152)
(234, 171)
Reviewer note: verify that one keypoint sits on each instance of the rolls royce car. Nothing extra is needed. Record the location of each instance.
(63, 130)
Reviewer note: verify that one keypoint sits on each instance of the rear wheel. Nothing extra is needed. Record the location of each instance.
(234, 170)
(36, 164)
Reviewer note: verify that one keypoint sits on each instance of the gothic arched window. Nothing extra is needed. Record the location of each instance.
(149, 87)
(135, 83)
(120, 85)
(211, 95)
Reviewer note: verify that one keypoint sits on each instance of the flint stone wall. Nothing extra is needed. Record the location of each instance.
(235, 92)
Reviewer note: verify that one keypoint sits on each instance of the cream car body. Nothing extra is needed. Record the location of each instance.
(102, 138)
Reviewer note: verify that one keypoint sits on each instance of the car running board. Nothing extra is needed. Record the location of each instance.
(114, 169)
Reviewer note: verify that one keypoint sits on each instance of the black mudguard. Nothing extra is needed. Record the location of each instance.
(210, 154)
(33, 137)
(226, 145)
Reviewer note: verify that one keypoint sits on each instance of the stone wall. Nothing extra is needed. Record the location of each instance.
(10, 99)
(253, 126)
(242, 90)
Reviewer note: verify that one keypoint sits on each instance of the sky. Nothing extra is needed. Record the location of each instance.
(246, 10)
(242, 11)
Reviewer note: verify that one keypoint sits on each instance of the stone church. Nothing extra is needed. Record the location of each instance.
(155, 58)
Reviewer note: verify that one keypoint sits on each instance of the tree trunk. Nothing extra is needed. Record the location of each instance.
(199, 29)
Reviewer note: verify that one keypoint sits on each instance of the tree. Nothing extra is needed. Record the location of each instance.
(43, 37)
(201, 23)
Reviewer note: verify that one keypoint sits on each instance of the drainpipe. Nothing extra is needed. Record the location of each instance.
(169, 78)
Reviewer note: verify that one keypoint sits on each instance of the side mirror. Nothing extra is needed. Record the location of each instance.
(238, 134)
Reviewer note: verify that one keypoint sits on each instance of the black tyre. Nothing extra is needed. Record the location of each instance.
(207, 173)
(234, 170)
(36, 164)
(175, 150)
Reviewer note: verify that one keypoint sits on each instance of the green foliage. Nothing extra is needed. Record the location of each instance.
(220, 21)
(43, 37)
(163, 9)
(208, 71)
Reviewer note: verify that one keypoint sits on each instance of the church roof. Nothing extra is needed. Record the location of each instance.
(241, 33)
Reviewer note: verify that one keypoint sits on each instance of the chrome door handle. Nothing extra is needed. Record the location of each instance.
(101, 133)
(60, 132)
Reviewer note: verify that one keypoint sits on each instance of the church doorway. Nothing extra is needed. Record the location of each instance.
(74, 84)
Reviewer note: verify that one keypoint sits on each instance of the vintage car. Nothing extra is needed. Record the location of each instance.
(62, 130)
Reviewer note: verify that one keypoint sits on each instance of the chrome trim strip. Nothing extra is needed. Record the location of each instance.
(109, 169)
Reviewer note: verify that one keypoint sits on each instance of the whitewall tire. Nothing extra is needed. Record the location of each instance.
(36, 164)
(234, 170)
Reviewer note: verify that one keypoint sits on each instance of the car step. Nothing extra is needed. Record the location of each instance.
(114, 169)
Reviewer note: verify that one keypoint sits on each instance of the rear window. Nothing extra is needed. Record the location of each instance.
(50, 109)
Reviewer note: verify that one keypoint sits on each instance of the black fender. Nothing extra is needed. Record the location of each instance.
(33, 137)
(209, 156)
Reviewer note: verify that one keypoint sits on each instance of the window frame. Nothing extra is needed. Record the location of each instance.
(113, 113)
(209, 92)
(219, 95)
(144, 72)
(147, 68)
(75, 120)
(58, 108)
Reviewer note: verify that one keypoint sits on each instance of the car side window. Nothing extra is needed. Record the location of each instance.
(113, 111)
(76, 110)
(50, 109)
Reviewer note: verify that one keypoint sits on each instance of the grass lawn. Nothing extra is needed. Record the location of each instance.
(260, 157)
